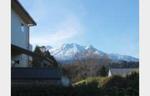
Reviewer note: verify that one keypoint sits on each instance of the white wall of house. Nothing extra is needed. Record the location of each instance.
(19, 33)
(19, 37)
(23, 60)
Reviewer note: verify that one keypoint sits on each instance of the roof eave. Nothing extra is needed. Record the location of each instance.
(29, 19)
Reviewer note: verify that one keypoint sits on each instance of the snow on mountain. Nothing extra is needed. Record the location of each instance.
(67, 51)
(93, 50)
(72, 51)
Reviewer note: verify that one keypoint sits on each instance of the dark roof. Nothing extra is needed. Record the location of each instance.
(19, 9)
(35, 73)
(18, 50)
(123, 71)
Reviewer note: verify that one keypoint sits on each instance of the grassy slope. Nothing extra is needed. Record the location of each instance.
(99, 80)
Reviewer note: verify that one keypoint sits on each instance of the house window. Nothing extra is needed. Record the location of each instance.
(22, 27)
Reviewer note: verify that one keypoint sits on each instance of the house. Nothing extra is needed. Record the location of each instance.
(22, 73)
(121, 71)
(21, 22)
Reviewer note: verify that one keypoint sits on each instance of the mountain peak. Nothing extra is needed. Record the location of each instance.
(70, 50)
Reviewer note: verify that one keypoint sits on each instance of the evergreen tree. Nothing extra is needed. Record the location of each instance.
(47, 54)
(36, 59)
(103, 71)
(38, 51)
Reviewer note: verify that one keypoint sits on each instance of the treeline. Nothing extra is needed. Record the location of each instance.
(124, 64)
(78, 71)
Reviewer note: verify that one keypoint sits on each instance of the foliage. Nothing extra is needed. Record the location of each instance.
(79, 71)
(109, 86)
(103, 71)
(124, 64)
(38, 60)
(88, 68)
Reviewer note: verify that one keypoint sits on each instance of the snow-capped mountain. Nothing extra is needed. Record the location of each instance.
(75, 51)
(67, 51)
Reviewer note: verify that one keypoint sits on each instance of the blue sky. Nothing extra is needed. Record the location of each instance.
(109, 25)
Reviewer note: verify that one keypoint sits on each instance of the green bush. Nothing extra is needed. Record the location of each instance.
(113, 86)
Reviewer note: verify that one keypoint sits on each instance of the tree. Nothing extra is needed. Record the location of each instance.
(36, 59)
(103, 71)
(38, 51)
(47, 54)
(43, 58)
